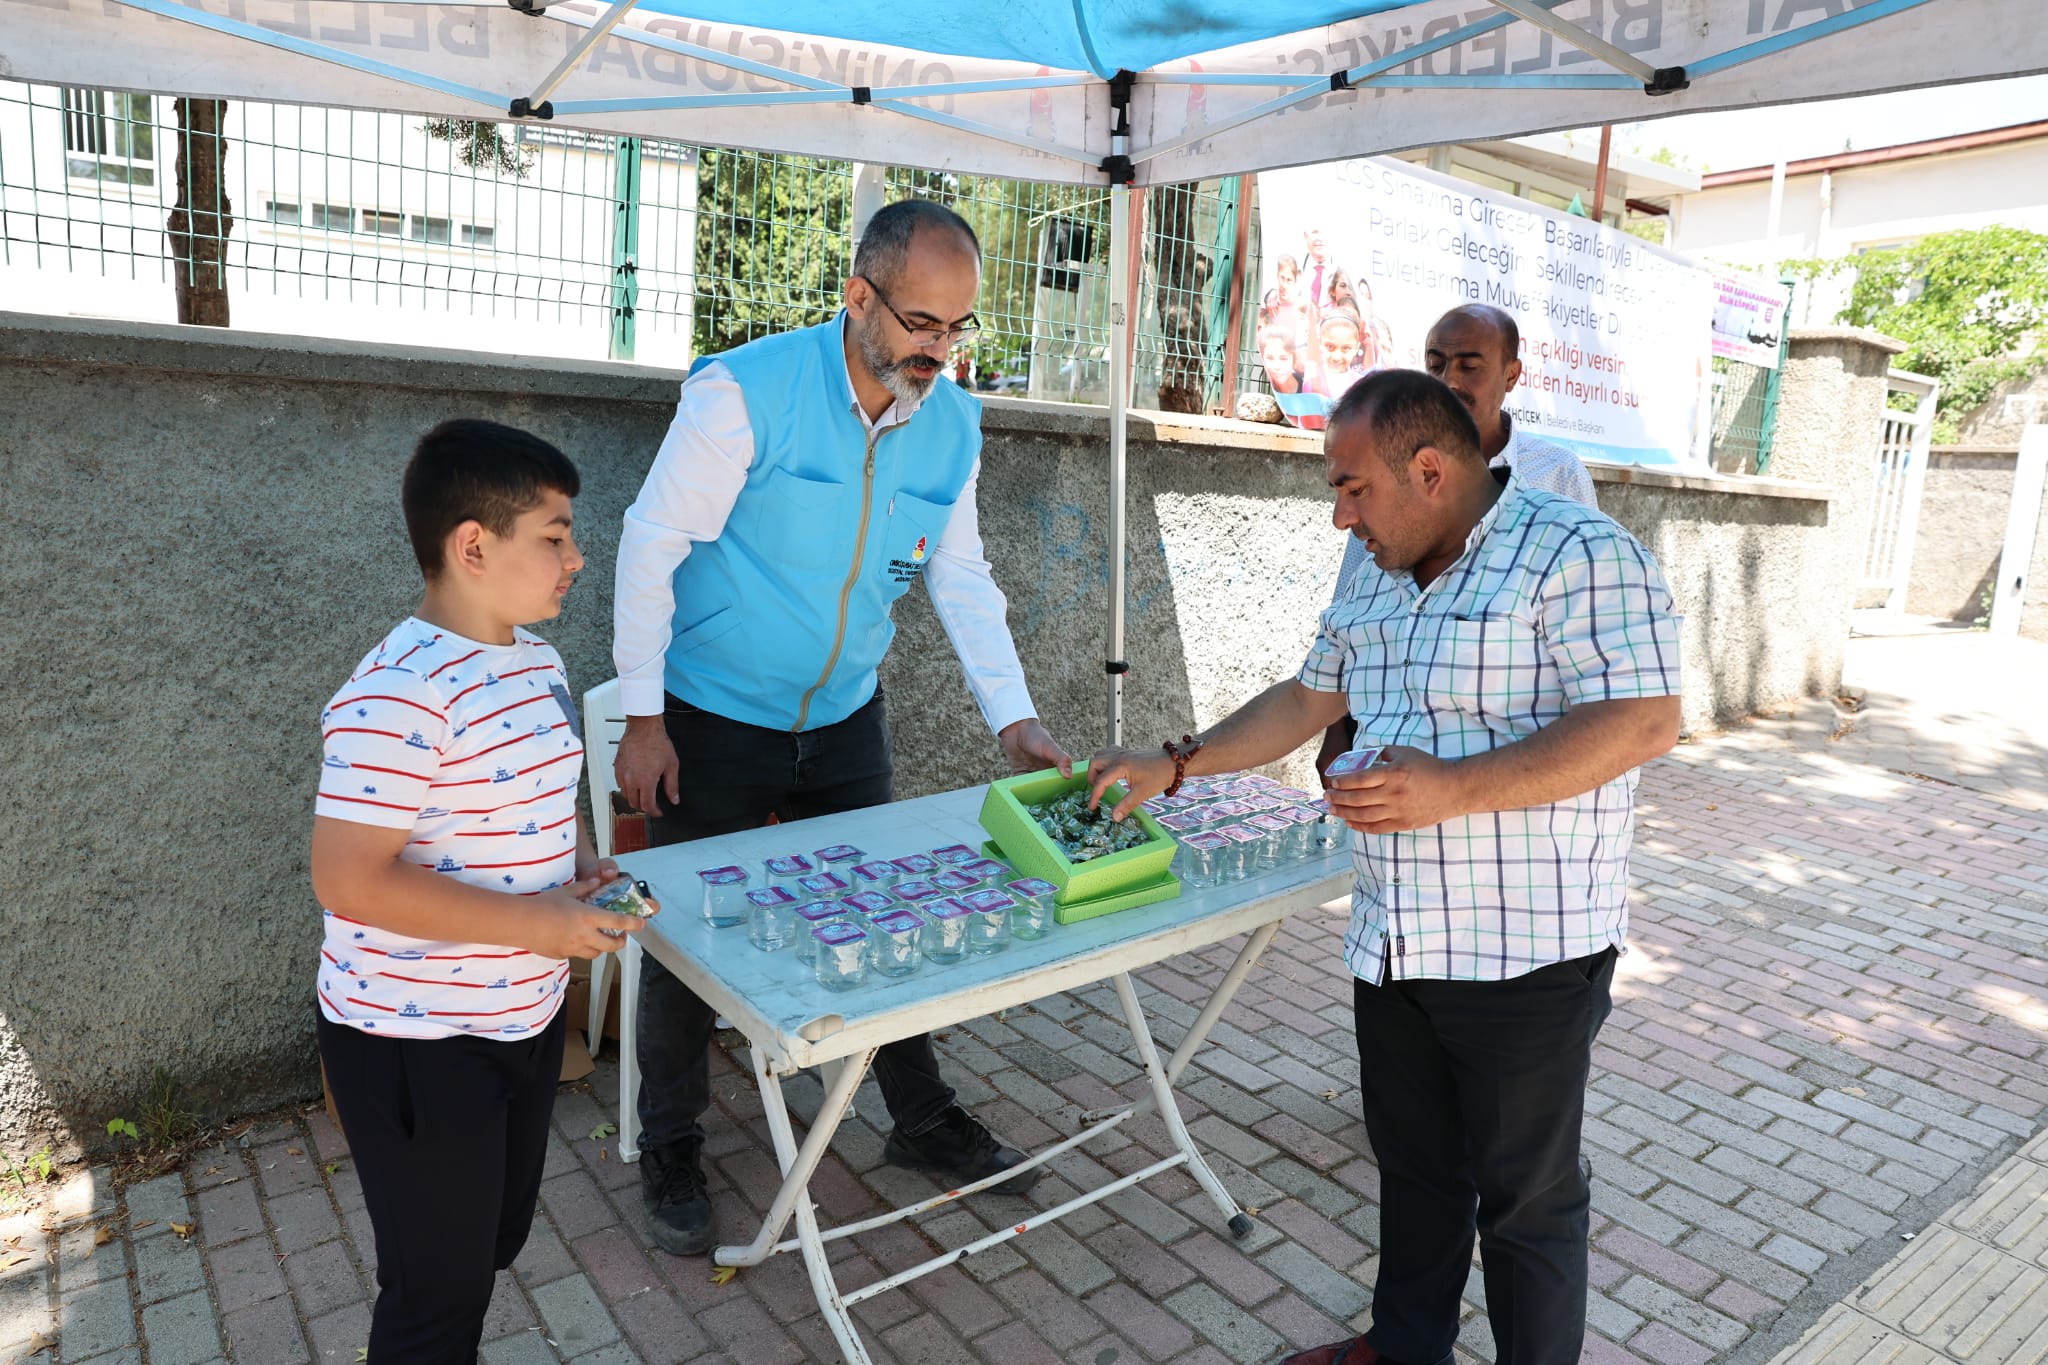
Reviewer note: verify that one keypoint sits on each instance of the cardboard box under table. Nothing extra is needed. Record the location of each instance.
(792, 1022)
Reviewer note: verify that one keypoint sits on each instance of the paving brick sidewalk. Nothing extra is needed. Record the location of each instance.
(1832, 1025)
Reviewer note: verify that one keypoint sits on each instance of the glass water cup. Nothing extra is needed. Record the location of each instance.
(1196, 861)
(945, 930)
(988, 871)
(1326, 835)
(823, 884)
(1238, 857)
(893, 943)
(955, 855)
(839, 955)
(879, 875)
(869, 905)
(784, 869)
(989, 930)
(954, 881)
(1276, 831)
(1032, 913)
(725, 895)
(771, 918)
(836, 854)
(810, 916)
(916, 864)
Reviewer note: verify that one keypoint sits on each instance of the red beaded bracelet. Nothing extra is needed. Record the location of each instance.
(1180, 757)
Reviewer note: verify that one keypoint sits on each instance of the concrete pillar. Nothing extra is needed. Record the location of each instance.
(1830, 419)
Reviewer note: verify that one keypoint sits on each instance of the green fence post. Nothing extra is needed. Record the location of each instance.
(625, 244)
(1767, 428)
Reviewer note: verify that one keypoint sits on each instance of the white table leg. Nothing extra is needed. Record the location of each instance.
(1162, 1096)
(629, 1054)
(1198, 1032)
(798, 1164)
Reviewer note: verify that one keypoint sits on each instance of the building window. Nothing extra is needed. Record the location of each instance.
(382, 223)
(110, 135)
(476, 234)
(280, 213)
(330, 217)
(426, 229)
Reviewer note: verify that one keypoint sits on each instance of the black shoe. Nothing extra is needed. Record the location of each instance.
(678, 1207)
(958, 1145)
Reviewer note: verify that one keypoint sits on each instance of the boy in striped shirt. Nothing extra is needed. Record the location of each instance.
(450, 863)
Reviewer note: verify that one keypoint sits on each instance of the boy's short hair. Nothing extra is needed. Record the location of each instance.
(472, 470)
(1409, 410)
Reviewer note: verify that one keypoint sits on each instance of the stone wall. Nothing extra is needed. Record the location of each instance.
(1962, 532)
(214, 540)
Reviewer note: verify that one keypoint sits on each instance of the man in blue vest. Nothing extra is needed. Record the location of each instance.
(807, 480)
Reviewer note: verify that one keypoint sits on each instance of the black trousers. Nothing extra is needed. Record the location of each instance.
(734, 776)
(1475, 1092)
(449, 1136)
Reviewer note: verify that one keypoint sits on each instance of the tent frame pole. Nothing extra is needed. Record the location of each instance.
(1121, 173)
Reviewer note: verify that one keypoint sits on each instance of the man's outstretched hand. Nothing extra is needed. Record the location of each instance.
(1029, 747)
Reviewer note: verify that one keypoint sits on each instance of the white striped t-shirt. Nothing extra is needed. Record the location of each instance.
(475, 749)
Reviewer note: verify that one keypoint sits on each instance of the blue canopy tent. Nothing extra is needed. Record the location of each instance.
(1108, 92)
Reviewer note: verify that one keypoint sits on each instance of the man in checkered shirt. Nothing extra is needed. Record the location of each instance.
(1517, 653)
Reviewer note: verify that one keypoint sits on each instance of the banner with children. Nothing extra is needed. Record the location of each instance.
(1360, 257)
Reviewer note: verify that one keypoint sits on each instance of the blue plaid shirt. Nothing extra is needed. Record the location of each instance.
(1551, 605)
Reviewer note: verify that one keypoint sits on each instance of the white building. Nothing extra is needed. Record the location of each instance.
(348, 225)
(1860, 201)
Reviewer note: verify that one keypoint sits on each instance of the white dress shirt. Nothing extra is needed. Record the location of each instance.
(689, 493)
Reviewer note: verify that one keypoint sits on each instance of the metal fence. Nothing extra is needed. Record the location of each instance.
(548, 241)
(1745, 410)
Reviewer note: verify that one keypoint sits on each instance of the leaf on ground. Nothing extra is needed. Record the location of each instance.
(1329, 1094)
(330, 1168)
(723, 1274)
(145, 1223)
(603, 1154)
(211, 1170)
(38, 1344)
(184, 1230)
(601, 1132)
(13, 1259)
(102, 1235)
(362, 1353)
(293, 1151)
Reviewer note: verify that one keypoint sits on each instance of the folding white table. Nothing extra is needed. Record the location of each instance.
(792, 1022)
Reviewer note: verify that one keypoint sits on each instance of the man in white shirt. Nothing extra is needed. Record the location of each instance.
(1475, 349)
(807, 480)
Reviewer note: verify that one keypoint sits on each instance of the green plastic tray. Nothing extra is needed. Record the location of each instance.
(1165, 889)
(1026, 847)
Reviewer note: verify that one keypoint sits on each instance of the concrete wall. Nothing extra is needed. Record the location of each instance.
(1962, 532)
(214, 540)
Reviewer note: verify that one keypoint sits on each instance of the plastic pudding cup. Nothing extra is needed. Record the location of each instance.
(839, 955)
(945, 930)
(1032, 917)
(989, 930)
(725, 895)
(893, 940)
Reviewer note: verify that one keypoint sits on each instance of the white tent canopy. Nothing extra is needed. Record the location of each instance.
(1081, 91)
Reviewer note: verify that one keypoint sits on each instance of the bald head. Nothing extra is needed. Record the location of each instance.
(1475, 349)
(1498, 321)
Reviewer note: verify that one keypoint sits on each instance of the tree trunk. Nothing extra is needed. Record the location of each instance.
(200, 221)
(1182, 274)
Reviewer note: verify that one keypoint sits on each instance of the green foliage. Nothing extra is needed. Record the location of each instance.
(1969, 306)
(481, 146)
(42, 1168)
(123, 1128)
(165, 1118)
(772, 244)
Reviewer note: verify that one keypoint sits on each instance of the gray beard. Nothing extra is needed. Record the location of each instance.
(893, 375)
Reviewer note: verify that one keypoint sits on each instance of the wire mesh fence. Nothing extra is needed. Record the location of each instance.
(547, 241)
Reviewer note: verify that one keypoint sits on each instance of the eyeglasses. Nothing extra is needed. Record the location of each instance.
(929, 336)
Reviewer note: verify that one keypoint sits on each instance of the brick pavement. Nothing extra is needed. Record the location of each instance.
(1832, 1025)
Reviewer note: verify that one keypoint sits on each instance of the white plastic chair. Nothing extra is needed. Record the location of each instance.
(604, 724)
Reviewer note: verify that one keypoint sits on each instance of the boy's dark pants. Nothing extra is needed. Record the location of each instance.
(734, 776)
(448, 1136)
(1474, 1095)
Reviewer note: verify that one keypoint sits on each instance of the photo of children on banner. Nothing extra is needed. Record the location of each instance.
(1317, 332)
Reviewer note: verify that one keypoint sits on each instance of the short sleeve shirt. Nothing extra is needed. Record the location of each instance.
(1551, 605)
(475, 749)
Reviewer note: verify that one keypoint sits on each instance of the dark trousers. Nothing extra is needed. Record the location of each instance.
(1474, 1094)
(734, 776)
(449, 1136)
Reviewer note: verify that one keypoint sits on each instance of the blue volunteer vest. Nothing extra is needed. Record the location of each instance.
(783, 620)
